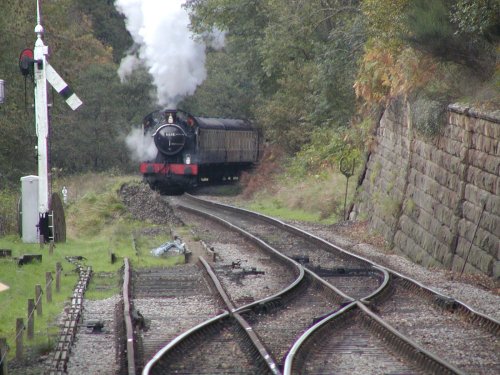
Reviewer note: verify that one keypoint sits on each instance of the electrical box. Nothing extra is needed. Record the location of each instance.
(29, 209)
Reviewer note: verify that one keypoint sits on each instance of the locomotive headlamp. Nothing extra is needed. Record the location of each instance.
(187, 159)
(170, 119)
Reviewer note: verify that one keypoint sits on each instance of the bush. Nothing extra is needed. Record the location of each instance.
(8, 212)
(463, 35)
(428, 115)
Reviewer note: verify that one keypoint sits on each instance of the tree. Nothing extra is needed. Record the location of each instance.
(301, 55)
(92, 137)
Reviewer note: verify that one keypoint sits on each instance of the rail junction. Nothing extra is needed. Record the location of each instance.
(271, 298)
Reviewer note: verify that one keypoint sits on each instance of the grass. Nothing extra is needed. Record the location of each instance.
(98, 225)
(311, 198)
(21, 282)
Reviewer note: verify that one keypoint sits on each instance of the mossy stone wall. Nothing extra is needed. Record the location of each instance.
(437, 200)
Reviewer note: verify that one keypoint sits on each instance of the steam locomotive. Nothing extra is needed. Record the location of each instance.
(194, 151)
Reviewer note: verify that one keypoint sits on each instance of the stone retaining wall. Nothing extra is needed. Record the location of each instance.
(437, 200)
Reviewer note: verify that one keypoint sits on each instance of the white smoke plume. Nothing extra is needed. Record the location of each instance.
(127, 66)
(166, 46)
(141, 146)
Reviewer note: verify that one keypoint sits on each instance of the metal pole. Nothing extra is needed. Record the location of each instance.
(473, 237)
(41, 116)
(345, 196)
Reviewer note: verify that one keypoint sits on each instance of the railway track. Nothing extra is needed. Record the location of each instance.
(225, 344)
(433, 323)
(279, 300)
(171, 300)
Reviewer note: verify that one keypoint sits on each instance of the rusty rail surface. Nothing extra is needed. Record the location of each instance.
(472, 315)
(401, 344)
(182, 340)
(257, 343)
(129, 328)
(404, 345)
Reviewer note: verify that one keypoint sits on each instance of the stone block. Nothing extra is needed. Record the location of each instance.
(481, 260)
(482, 143)
(496, 270)
(490, 223)
(488, 242)
(482, 180)
(463, 246)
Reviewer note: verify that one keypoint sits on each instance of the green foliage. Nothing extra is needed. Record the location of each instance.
(107, 25)
(477, 18)
(97, 142)
(432, 26)
(8, 211)
(290, 65)
(228, 91)
(312, 198)
(328, 146)
(427, 46)
(84, 54)
(21, 282)
(385, 21)
(97, 202)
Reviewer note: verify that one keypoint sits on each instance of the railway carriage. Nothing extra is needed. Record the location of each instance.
(191, 151)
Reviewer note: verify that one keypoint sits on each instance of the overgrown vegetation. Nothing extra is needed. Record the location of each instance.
(300, 61)
(315, 75)
(98, 226)
(85, 54)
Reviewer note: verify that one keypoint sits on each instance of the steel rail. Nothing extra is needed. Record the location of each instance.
(474, 316)
(307, 335)
(179, 339)
(407, 346)
(401, 343)
(129, 328)
(382, 287)
(235, 312)
(257, 343)
(265, 246)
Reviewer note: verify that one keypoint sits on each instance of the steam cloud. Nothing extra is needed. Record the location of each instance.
(141, 146)
(165, 45)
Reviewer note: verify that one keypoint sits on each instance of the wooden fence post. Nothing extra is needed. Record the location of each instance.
(19, 338)
(3, 356)
(38, 299)
(31, 318)
(58, 277)
(48, 286)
